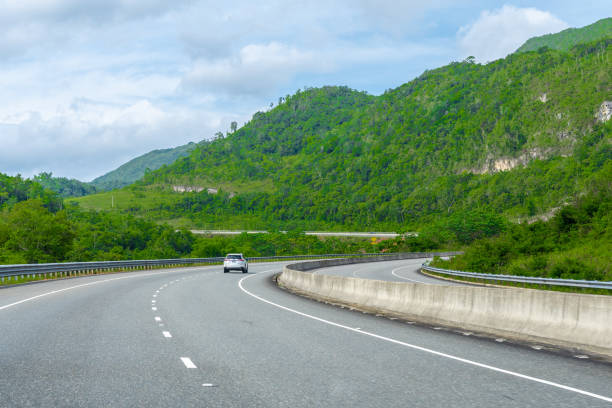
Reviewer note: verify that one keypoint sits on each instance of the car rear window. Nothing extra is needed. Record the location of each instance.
(234, 257)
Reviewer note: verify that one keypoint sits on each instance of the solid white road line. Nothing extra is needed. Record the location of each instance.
(359, 270)
(87, 284)
(167, 334)
(188, 363)
(424, 349)
(393, 272)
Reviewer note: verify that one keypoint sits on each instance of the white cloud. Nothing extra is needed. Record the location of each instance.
(89, 139)
(500, 32)
(255, 69)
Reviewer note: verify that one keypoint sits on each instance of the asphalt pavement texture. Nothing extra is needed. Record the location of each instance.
(196, 337)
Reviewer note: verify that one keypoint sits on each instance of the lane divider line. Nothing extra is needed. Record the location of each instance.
(188, 363)
(167, 334)
(393, 272)
(424, 349)
(90, 284)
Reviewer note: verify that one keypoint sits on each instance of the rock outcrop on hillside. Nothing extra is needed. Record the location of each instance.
(605, 111)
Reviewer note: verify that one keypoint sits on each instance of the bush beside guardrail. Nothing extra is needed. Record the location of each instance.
(522, 279)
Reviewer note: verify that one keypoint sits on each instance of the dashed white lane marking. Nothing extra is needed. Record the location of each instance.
(424, 349)
(188, 363)
(157, 319)
(167, 334)
(153, 301)
(394, 273)
(154, 309)
(85, 285)
(208, 385)
(155, 295)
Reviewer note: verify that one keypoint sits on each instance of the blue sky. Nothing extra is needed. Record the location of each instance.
(87, 85)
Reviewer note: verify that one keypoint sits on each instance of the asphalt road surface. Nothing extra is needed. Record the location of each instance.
(392, 271)
(196, 337)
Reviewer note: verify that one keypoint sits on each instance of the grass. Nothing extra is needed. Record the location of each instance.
(133, 200)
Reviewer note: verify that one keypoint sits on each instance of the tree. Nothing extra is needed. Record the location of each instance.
(233, 126)
(37, 234)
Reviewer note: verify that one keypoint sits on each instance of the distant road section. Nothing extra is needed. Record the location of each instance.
(385, 235)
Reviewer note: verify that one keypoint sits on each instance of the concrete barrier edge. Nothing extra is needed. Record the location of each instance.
(567, 320)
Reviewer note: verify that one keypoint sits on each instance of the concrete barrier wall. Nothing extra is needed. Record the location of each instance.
(568, 320)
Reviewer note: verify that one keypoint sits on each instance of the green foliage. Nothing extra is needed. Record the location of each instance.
(16, 189)
(468, 226)
(277, 244)
(114, 236)
(63, 186)
(29, 232)
(576, 243)
(136, 168)
(569, 38)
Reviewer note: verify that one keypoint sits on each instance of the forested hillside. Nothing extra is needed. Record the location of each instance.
(136, 168)
(519, 136)
(35, 227)
(575, 244)
(567, 39)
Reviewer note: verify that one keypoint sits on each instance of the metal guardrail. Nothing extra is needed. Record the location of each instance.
(523, 279)
(55, 270)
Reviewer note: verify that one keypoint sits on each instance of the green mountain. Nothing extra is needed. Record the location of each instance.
(517, 137)
(566, 39)
(136, 168)
(63, 186)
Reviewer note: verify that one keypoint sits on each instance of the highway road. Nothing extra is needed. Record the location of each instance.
(392, 271)
(196, 337)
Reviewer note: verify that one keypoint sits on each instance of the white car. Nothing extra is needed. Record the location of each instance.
(236, 262)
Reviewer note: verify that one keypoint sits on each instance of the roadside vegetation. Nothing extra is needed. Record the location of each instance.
(576, 243)
(35, 227)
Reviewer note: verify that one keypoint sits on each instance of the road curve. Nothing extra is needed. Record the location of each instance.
(406, 270)
(198, 337)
